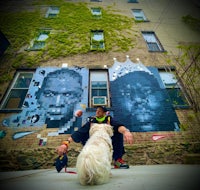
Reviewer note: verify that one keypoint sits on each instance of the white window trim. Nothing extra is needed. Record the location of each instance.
(95, 75)
(139, 13)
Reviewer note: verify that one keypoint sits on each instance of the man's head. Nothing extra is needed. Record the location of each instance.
(101, 111)
(61, 90)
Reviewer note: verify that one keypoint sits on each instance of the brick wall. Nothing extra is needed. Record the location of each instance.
(25, 153)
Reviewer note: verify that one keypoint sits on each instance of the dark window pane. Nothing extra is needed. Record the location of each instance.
(153, 46)
(16, 98)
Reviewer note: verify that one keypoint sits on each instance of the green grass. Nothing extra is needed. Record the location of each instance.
(70, 32)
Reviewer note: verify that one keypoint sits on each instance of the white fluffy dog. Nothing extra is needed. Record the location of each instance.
(94, 161)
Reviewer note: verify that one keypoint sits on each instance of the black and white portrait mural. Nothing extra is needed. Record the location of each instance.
(53, 97)
(139, 98)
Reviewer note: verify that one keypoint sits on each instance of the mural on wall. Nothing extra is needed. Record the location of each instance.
(53, 97)
(139, 98)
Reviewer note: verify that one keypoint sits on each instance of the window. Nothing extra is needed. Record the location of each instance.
(139, 15)
(99, 100)
(39, 42)
(96, 0)
(96, 12)
(14, 98)
(152, 41)
(97, 40)
(52, 12)
(174, 89)
(132, 1)
(99, 90)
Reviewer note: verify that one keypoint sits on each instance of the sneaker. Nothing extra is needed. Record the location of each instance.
(121, 164)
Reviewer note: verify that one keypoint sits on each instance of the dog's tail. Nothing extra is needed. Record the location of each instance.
(91, 171)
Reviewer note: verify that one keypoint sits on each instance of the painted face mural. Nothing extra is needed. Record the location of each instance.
(139, 98)
(53, 96)
(60, 92)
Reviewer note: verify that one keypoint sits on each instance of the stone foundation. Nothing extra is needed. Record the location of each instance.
(26, 153)
(143, 154)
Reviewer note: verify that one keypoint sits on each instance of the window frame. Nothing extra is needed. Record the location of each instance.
(37, 43)
(52, 12)
(12, 86)
(143, 16)
(95, 15)
(107, 88)
(97, 45)
(176, 86)
(153, 41)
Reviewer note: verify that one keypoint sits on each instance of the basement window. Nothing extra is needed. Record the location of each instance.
(16, 93)
(152, 41)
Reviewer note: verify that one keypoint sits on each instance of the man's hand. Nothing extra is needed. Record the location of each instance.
(62, 149)
(128, 137)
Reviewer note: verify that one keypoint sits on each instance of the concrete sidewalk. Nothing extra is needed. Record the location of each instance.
(148, 177)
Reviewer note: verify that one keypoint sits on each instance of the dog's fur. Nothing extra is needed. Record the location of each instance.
(94, 161)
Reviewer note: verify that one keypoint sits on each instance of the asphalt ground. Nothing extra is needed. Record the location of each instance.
(143, 177)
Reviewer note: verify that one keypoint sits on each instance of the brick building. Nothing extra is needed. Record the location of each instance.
(160, 113)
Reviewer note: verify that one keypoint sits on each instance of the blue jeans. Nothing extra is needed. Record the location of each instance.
(118, 145)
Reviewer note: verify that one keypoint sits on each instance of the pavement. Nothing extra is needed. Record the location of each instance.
(142, 177)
